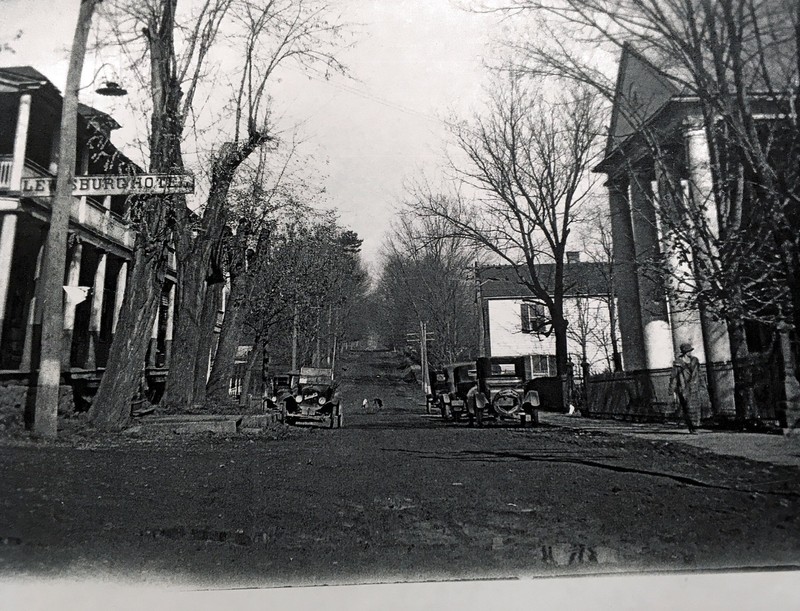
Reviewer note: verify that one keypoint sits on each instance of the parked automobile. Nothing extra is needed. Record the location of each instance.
(307, 391)
(502, 382)
(449, 387)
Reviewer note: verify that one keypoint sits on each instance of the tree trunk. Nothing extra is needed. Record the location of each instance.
(742, 373)
(229, 336)
(194, 257)
(205, 345)
(612, 321)
(179, 392)
(112, 404)
(111, 408)
(295, 329)
(252, 374)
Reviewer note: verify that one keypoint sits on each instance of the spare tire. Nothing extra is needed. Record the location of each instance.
(506, 402)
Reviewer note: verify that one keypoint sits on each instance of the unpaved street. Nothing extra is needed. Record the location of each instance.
(395, 495)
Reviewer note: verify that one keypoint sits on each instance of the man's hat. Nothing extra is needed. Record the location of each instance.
(687, 347)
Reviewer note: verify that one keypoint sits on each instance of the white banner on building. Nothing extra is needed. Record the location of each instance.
(141, 184)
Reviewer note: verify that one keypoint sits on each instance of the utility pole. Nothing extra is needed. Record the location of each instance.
(423, 356)
(479, 305)
(45, 421)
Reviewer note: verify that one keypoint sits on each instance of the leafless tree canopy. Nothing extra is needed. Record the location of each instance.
(527, 167)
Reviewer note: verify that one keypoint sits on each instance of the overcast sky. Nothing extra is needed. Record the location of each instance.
(415, 61)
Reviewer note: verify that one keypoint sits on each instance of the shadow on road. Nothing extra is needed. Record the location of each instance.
(505, 456)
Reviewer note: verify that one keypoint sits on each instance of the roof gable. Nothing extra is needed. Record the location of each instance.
(641, 91)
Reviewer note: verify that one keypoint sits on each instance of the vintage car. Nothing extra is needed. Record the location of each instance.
(309, 395)
(501, 381)
(449, 387)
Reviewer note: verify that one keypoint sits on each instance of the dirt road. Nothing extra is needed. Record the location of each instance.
(395, 495)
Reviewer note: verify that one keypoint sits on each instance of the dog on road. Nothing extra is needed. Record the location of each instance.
(376, 404)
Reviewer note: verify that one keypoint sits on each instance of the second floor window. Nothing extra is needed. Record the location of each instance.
(534, 317)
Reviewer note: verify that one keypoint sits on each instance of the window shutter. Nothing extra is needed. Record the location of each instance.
(525, 315)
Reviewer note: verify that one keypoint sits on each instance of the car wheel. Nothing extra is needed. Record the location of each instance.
(506, 403)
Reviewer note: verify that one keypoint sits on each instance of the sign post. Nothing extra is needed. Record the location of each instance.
(45, 418)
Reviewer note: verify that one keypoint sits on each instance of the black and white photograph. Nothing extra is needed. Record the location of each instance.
(400, 304)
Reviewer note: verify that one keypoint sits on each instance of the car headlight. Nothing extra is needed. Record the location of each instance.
(321, 401)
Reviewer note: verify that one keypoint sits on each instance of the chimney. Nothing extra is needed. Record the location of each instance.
(573, 256)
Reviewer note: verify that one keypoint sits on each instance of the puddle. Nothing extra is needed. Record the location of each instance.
(575, 554)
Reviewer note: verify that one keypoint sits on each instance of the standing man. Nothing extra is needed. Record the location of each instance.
(686, 384)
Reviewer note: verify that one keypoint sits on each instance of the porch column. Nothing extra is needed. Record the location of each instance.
(715, 332)
(73, 279)
(34, 325)
(684, 317)
(627, 285)
(96, 318)
(119, 293)
(652, 301)
(170, 326)
(8, 237)
(151, 356)
(20, 141)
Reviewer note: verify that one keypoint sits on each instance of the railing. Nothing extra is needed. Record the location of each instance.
(31, 169)
(6, 162)
(93, 214)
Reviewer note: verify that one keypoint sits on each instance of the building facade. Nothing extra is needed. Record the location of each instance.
(100, 242)
(658, 158)
(517, 324)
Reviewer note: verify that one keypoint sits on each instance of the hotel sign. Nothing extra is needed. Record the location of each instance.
(140, 184)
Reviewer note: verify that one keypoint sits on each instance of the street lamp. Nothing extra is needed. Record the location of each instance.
(45, 421)
(112, 89)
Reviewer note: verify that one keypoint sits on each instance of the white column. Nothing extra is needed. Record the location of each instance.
(170, 326)
(624, 261)
(8, 236)
(684, 317)
(20, 140)
(715, 332)
(652, 300)
(34, 315)
(96, 319)
(73, 279)
(119, 293)
(151, 357)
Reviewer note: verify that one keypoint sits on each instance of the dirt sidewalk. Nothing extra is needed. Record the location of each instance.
(774, 449)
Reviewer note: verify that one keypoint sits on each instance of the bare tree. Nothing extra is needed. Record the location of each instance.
(151, 217)
(740, 60)
(261, 194)
(427, 277)
(303, 31)
(178, 48)
(599, 248)
(528, 160)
